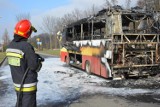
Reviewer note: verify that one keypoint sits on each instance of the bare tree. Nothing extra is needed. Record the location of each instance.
(90, 11)
(23, 16)
(48, 26)
(77, 14)
(128, 3)
(151, 5)
(5, 38)
(59, 25)
(114, 2)
(52, 25)
(68, 19)
(141, 3)
(94, 9)
(157, 5)
(107, 4)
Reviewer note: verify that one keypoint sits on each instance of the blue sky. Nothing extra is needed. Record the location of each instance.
(38, 9)
(11, 8)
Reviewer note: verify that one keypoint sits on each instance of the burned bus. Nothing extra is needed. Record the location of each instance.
(114, 43)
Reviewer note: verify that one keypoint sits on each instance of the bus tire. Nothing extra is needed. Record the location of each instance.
(88, 67)
(67, 60)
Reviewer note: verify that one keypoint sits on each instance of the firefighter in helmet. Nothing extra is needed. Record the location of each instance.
(22, 57)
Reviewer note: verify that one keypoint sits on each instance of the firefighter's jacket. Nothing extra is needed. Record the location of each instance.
(21, 56)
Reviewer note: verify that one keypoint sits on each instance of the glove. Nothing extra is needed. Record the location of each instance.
(39, 67)
(40, 60)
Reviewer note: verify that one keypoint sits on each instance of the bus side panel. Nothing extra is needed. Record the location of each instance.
(96, 63)
(63, 56)
(104, 72)
(84, 59)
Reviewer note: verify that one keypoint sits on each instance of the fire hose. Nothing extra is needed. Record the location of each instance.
(40, 59)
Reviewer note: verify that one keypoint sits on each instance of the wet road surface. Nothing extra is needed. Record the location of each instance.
(63, 86)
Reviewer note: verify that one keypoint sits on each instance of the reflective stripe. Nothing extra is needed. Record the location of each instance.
(9, 54)
(14, 56)
(20, 33)
(34, 88)
(26, 85)
(14, 61)
(14, 51)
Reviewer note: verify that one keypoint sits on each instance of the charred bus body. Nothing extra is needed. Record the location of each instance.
(114, 43)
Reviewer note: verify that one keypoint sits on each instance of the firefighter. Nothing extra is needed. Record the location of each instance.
(22, 57)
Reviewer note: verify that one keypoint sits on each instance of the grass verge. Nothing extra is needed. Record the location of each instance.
(51, 52)
(45, 51)
(2, 56)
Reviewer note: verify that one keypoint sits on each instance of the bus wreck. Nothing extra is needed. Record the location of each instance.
(114, 43)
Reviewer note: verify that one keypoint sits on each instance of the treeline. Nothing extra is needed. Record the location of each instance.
(51, 24)
(43, 38)
(149, 5)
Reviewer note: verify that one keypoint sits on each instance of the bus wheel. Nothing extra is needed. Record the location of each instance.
(67, 60)
(88, 67)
